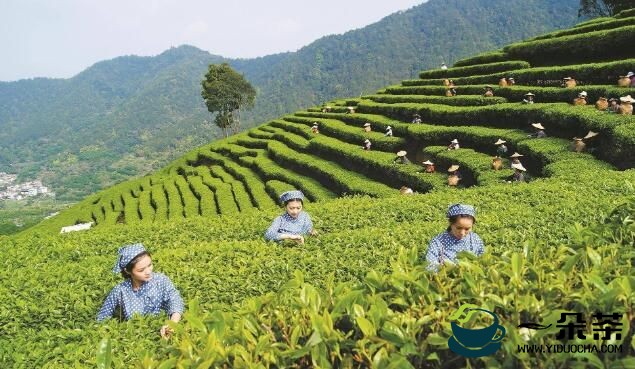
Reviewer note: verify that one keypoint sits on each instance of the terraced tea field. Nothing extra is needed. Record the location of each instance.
(358, 295)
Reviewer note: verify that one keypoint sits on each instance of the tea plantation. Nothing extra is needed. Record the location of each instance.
(358, 295)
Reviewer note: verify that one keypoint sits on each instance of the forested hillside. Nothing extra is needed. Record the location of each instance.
(125, 117)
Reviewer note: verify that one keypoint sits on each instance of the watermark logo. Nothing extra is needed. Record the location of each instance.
(573, 332)
(474, 342)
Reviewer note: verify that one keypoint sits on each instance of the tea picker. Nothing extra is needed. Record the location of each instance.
(458, 237)
(295, 223)
(143, 292)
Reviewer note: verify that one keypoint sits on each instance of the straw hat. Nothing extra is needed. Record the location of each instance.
(627, 99)
(511, 78)
(366, 124)
(567, 78)
(328, 107)
(453, 168)
(315, 123)
(582, 94)
(389, 127)
(537, 125)
(612, 99)
(529, 94)
(428, 162)
(366, 141)
(488, 86)
(519, 167)
(401, 153)
(630, 74)
(499, 142)
(416, 115)
(591, 134)
(516, 155)
(455, 141)
(577, 139)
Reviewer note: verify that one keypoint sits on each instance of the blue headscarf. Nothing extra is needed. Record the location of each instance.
(291, 195)
(126, 254)
(461, 209)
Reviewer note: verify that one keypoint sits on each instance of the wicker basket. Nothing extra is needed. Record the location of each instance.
(453, 180)
(626, 109)
(497, 164)
(624, 82)
(601, 105)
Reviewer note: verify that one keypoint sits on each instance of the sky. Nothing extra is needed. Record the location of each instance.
(60, 38)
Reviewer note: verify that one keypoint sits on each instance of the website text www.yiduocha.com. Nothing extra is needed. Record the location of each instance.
(568, 348)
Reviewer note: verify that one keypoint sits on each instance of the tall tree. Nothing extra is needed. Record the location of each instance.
(225, 92)
(603, 8)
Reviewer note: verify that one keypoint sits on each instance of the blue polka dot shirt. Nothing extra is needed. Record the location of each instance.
(152, 296)
(286, 224)
(445, 247)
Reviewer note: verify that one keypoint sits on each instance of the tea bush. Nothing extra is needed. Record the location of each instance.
(358, 295)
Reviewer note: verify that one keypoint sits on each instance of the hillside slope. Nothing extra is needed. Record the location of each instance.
(128, 116)
(359, 295)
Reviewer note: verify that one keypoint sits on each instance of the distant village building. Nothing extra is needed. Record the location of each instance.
(6, 179)
(22, 190)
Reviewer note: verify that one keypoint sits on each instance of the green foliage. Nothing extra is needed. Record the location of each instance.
(351, 134)
(175, 204)
(626, 13)
(603, 7)
(333, 175)
(379, 166)
(484, 58)
(225, 92)
(269, 170)
(592, 21)
(131, 208)
(276, 188)
(146, 211)
(591, 46)
(517, 93)
(292, 140)
(454, 100)
(564, 120)
(223, 192)
(18, 216)
(475, 69)
(242, 198)
(609, 24)
(204, 194)
(362, 281)
(585, 74)
(370, 301)
(159, 203)
(132, 115)
(253, 185)
(190, 201)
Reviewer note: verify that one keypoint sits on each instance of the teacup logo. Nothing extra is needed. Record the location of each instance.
(474, 342)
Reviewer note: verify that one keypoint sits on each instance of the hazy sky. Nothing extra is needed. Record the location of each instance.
(60, 38)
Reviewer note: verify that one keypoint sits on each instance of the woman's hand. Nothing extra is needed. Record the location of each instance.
(166, 332)
(294, 237)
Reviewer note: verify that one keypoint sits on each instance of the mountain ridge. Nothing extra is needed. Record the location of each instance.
(142, 123)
